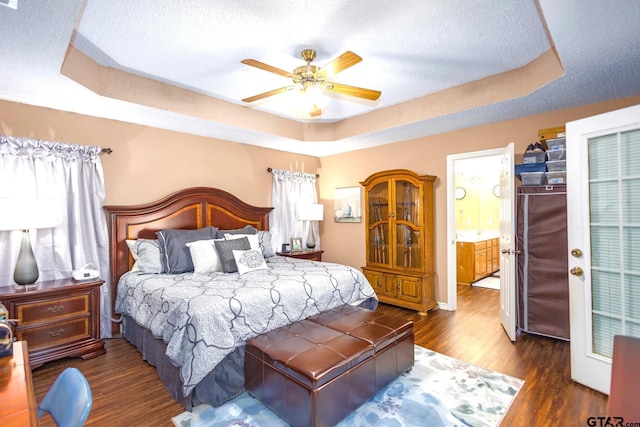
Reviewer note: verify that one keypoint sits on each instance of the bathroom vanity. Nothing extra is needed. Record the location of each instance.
(477, 255)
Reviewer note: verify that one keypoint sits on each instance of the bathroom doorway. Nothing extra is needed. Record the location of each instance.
(506, 248)
(477, 221)
(473, 220)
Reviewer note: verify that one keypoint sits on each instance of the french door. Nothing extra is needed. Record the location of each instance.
(603, 219)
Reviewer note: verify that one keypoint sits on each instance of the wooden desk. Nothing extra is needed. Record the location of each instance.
(625, 373)
(17, 400)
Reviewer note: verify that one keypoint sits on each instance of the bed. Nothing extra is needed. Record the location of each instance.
(191, 322)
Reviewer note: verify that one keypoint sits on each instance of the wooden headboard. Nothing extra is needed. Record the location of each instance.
(191, 208)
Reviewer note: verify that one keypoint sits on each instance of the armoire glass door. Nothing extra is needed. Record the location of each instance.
(378, 211)
(407, 222)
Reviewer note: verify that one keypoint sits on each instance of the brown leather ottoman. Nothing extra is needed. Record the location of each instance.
(390, 336)
(309, 374)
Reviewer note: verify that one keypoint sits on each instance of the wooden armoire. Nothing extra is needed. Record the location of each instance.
(399, 238)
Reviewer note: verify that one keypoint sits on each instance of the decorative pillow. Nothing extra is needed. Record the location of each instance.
(252, 238)
(175, 253)
(204, 256)
(247, 229)
(250, 260)
(264, 237)
(261, 241)
(225, 252)
(146, 253)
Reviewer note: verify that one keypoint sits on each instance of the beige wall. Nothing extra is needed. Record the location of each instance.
(346, 242)
(149, 163)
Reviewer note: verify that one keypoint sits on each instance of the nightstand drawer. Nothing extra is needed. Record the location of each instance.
(54, 334)
(50, 310)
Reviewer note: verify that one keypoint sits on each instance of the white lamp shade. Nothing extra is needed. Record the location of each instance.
(23, 213)
(311, 212)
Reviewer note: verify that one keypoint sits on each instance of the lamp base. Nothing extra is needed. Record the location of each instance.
(26, 271)
(311, 238)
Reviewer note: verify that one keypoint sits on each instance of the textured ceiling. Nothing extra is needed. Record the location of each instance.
(177, 64)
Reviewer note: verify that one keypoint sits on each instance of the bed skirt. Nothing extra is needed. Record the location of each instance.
(224, 383)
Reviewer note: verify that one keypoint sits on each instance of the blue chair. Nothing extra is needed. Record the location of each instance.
(68, 400)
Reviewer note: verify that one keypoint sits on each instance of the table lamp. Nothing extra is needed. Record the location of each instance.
(311, 212)
(24, 213)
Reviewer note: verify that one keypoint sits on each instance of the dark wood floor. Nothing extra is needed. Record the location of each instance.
(127, 392)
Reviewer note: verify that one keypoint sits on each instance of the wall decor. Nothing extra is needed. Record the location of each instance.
(347, 204)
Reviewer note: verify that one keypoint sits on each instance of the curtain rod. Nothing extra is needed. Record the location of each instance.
(106, 151)
(271, 170)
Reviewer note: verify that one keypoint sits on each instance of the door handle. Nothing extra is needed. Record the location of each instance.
(576, 252)
(576, 271)
(509, 251)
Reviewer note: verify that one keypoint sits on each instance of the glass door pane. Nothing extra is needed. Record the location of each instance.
(378, 212)
(407, 203)
(614, 189)
(408, 238)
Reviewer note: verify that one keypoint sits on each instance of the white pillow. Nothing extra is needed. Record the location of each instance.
(205, 256)
(250, 260)
(254, 241)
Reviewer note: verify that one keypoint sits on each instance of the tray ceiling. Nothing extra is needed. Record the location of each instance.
(441, 65)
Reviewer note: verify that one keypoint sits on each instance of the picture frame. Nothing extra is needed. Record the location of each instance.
(347, 204)
(296, 244)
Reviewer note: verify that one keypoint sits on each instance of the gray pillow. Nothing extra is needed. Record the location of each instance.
(225, 250)
(247, 229)
(264, 237)
(146, 253)
(174, 252)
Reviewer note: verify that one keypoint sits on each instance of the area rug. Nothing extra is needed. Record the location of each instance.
(438, 391)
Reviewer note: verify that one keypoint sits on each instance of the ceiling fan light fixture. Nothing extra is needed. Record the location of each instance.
(306, 96)
(308, 101)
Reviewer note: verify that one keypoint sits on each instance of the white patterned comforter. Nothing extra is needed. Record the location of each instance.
(202, 318)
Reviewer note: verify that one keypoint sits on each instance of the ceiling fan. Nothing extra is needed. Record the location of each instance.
(309, 76)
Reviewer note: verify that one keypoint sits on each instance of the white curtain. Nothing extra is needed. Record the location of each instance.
(291, 190)
(72, 175)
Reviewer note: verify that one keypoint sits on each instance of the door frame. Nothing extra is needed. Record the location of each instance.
(452, 271)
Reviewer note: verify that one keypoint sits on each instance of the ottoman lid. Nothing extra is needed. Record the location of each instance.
(312, 353)
(378, 329)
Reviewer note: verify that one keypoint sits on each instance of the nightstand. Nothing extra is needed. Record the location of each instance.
(312, 255)
(57, 318)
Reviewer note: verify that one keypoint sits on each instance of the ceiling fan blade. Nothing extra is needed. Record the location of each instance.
(344, 61)
(266, 67)
(353, 91)
(266, 94)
